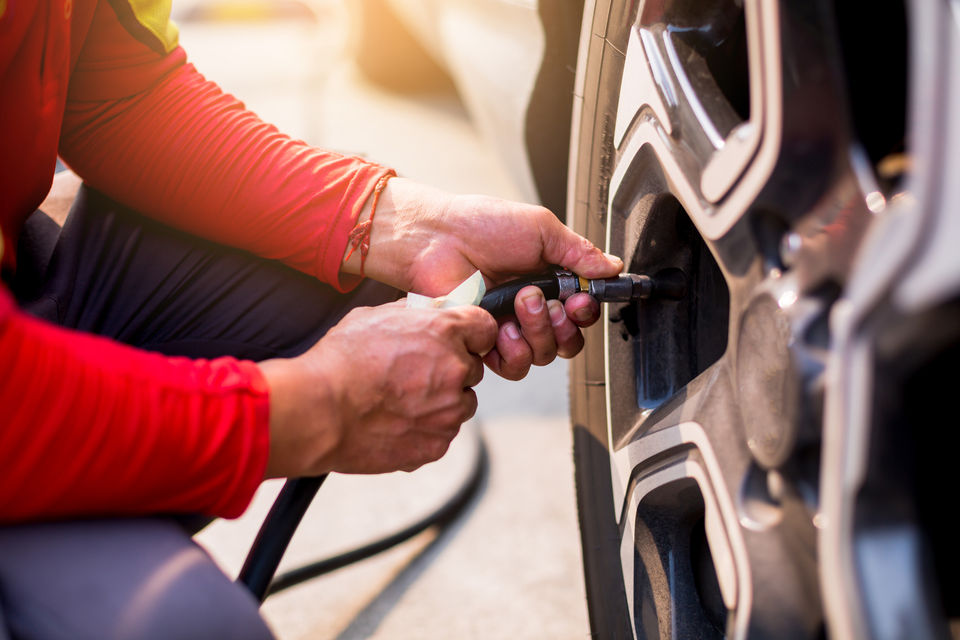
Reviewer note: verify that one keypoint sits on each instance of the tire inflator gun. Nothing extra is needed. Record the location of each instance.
(560, 284)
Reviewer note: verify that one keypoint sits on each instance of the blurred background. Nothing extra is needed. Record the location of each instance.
(510, 567)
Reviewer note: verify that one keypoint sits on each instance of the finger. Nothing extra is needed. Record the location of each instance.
(564, 247)
(474, 373)
(582, 309)
(425, 449)
(531, 310)
(470, 404)
(476, 328)
(512, 357)
(568, 337)
(446, 421)
(463, 371)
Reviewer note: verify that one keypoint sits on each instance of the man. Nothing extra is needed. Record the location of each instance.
(198, 253)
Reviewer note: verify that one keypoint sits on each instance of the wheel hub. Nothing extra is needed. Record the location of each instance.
(768, 387)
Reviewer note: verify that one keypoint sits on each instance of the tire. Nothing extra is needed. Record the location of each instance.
(747, 464)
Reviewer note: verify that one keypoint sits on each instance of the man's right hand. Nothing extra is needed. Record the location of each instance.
(385, 390)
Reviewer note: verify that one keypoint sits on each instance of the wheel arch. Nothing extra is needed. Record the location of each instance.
(549, 114)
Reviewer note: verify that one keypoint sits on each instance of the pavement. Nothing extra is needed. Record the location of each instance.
(510, 568)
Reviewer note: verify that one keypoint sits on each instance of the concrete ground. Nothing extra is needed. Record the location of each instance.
(510, 568)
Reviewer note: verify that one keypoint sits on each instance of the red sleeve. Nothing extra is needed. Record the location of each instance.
(92, 427)
(150, 131)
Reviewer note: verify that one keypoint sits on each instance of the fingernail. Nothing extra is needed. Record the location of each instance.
(557, 314)
(533, 302)
(511, 330)
(582, 315)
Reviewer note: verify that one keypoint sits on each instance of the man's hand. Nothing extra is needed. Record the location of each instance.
(428, 241)
(386, 389)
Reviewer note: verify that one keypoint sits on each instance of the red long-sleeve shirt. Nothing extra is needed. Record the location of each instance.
(88, 426)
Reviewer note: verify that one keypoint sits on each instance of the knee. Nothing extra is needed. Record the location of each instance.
(118, 580)
(186, 598)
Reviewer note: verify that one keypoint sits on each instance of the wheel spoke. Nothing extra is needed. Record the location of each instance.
(646, 85)
(676, 493)
(686, 406)
(678, 520)
(694, 92)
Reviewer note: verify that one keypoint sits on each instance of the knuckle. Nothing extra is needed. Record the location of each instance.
(440, 324)
(476, 371)
(470, 404)
(436, 449)
(457, 373)
(515, 373)
(542, 212)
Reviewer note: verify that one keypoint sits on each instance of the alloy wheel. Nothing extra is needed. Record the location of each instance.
(742, 142)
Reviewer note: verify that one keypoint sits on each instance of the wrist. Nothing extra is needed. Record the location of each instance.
(399, 231)
(359, 239)
(304, 429)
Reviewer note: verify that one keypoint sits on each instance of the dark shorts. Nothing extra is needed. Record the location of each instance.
(112, 272)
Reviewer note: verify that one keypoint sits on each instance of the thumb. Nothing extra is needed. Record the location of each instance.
(572, 251)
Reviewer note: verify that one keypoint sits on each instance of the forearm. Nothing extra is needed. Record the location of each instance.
(92, 427)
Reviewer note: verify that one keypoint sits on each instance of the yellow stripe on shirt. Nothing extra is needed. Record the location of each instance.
(149, 21)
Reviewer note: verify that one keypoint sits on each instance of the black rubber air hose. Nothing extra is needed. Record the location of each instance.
(288, 509)
(275, 533)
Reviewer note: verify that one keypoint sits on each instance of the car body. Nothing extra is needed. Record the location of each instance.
(512, 61)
